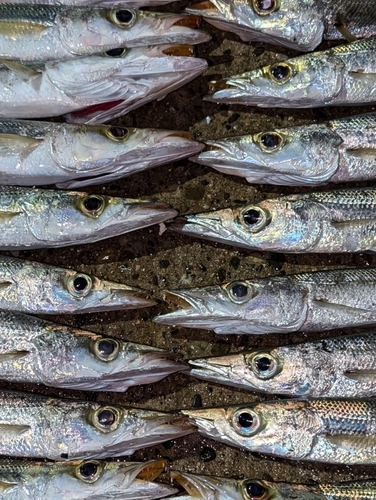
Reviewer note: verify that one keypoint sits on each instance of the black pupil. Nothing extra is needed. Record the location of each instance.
(280, 72)
(265, 5)
(252, 217)
(270, 141)
(124, 16)
(92, 204)
(88, 470)
(118, 132)
(263, 364)
(106, 418)
(115, 52)
(255, 490)
(80, 283)
(106, 347)
(245, 420)
(239, 291)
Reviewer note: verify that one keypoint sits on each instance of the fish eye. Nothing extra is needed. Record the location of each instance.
(269, 142)
(245, 422)
(106, 419)
(124, 18)
(254, 490)
(264, 365)
(240, 292)
(79, 285)
(92, 205)
(116, 52)
(265, 7)
(106, 349)
(89, 472)
(280, 73)
(255, 218)
(117, 133)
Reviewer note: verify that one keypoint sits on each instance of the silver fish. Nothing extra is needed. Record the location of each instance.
(31, 287)
(220, 488)
(38, 153)
(43, 33)
(340, 367)
(341, 150)
(315, 301)
(82, 480)
(343, 75)
(82, 360)
(96, 3)
(321, 430)
(36, 218)
(103, 86)
(298, 24)
(43, 427)
(320, 222)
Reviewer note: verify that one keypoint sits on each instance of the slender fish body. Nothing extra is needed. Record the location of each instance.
(297, 24)
(341, 150)
(220, 488)
(82, 480)
(82, 360)
(96, 3)
(43, 33)
(103, 86)
(313, 301)
(337, 431)
(341, 367)
(62, 429)
(32, 287)
(343, 75)
(38, 153)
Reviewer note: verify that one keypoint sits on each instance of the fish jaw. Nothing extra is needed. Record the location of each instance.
(208, 487)
(296, 24)
(228, 370)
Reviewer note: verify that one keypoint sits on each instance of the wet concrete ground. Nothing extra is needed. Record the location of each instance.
(156, 261)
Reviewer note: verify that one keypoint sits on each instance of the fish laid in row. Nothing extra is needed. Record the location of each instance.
(220, 488)
(343, 75)
(36, 218)
(318, 222)
(36, 288)
(82, 480)
(95, 3)
(340, 367)
(81, 360)
(342, 150)
(312, 301)
(298, 24)
(42, 32)
(72, 156)
(38, 426)
(337, 431)
(102, 86)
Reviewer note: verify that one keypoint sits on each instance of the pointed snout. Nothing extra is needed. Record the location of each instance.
(120, 296)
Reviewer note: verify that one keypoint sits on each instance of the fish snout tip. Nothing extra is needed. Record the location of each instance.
(178, 223)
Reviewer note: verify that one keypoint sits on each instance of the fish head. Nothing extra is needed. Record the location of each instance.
(306, 155)
(282, 428)
(298, 24)
(305, 81)
(100, 153)
(240, 307)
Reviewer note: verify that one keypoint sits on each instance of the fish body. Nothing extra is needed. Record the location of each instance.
(343, 75)
(320, 222)
(82, 360)
(341, 150)
(321, 430)
(43, 33)
(340, 367)
(108, 85)
(82, 480)
(32, 287)
(96, 3)
(61, 429)
(36, 218)
(297, 24)
(220, 488)
(38, 153)
(312, 301)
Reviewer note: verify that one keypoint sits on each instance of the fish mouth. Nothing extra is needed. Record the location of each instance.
(205, 420)
(150, 213)
(202, 6)
(212, 369)
(200, 486)
(149, 471)
(123, 297)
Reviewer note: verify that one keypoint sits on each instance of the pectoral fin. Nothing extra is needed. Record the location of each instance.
(352, 443)
(12, 355)
(13, 144)
(345, 224)
(369, 78)
(22, 71)
(7, 215)
(363, 153)
(346, 33)
(333, 306)
(5, 284)
(5, 486)
(15, 29)
(361, 376)
(13, 430)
